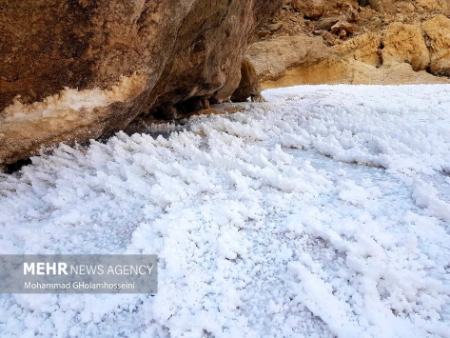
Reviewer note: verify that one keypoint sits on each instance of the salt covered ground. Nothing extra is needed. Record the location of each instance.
(323, 212)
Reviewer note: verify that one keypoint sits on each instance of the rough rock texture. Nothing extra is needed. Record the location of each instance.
(271, 58)
(249, 85)
(145, 55)
(405, 43)
(437, 31)
(338, 71)
(364, 48)
(349, 41)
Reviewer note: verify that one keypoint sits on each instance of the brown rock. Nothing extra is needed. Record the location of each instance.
(363, 48)
(432, 6)
(329, 38)
(366, 49)
(383, 5)
(249, 86)
(342, 28)
(335, 70)
(437, 31)
(405, 43)
(327, 23)
(272, 58)
(275, 26)
(312, 9)
(124, 57)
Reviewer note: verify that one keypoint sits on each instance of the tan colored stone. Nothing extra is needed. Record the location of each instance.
(383, 5)
(342, 28)
(364, 48)
(272, 58)
(437, 31)
(405, 43)
(383, 44)
(312, 9)
(327, 23)
(336, 70)
(432, 6)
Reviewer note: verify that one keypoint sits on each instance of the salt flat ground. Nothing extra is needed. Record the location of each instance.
(323, 212)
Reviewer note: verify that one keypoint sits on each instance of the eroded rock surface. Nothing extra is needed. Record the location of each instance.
(437, 32)
(405, 43)
(349, 41)
(119, 59)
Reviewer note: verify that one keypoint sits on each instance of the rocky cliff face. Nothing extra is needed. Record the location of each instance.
(80, 69)
(350, 41)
